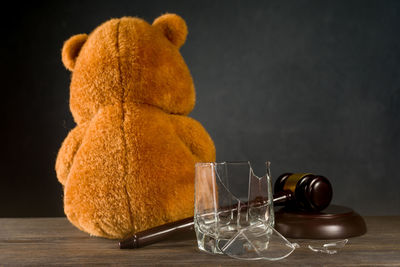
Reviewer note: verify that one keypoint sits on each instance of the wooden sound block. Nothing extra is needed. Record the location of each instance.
(334, 222)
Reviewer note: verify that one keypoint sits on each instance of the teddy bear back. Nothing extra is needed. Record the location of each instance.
(129, 60)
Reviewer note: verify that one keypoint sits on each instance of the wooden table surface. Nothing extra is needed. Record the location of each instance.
(44, 241)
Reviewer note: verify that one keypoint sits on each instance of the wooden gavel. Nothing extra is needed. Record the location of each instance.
(305, 192)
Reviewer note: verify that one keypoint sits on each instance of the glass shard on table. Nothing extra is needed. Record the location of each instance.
(329, 248)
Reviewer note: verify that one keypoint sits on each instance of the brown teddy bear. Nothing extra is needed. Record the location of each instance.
(128, 165)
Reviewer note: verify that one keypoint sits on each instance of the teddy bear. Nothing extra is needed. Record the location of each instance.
(128, 165)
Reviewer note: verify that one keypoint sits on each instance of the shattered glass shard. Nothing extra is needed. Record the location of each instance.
(329, 248)
(258, 241)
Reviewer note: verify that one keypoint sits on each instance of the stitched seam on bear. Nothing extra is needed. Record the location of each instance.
(125, 160)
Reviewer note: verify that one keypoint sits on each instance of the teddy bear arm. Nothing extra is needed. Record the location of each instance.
(196, 138)
(67, 152)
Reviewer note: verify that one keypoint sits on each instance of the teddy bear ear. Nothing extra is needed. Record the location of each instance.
(173, 27)
(71, 49)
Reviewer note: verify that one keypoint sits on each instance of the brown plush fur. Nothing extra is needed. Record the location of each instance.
(129, 163)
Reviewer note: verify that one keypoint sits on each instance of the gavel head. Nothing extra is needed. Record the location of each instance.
(308, 192)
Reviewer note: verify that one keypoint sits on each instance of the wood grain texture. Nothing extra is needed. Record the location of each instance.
(54, 241)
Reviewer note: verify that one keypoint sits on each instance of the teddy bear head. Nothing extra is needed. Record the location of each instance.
(129, 60)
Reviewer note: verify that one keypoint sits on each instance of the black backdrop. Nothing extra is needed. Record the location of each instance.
(309, 85)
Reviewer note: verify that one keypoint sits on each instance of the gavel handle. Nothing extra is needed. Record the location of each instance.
(165, 231)
(283, 197)
(156, 234)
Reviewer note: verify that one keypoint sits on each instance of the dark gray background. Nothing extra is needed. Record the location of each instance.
(310, 85)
